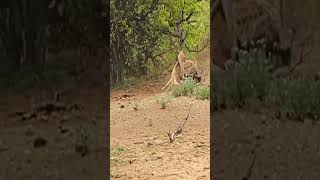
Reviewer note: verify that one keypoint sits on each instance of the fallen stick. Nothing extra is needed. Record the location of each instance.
(179, 129)
(249, 171)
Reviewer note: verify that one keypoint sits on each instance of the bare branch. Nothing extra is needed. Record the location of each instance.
(197, 48)
(178, 23)
(301, 57)
(179, 129)
(249, 171)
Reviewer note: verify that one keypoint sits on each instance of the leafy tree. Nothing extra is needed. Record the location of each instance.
(146, 35)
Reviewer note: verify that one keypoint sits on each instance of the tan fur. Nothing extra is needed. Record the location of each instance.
(176, 76)
(191, 67)
(187, 66)
(243, 21)
(182, 61)
(180, 69)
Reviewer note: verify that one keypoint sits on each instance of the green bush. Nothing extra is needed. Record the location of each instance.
(185, 88)
(83, 135)
(251, 83)
(163, 101)
(202, 92)
(301, 96)
(250, 78)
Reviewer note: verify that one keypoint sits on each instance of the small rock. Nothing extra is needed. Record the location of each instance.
(63, 129)
(82, 149)
(159, 157)
(131, 161)
(39, 142)
(138, 142)
(258, 137)
(122, 106)
(28, 161)
(19, 168)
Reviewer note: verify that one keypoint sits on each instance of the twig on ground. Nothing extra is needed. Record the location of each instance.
(249, 171)
(301, 57)
(179, 129)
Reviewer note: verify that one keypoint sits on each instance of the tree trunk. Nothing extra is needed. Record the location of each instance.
(36, 34)
(24, 36)
(117, 61)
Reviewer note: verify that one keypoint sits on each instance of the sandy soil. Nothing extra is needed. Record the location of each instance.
(43, 147)
(146, 151)
(140, 147)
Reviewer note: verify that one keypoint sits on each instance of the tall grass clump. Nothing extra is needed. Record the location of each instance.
(249, 80)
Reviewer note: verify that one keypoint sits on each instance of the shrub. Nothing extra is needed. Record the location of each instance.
(299, 96)
(163, 101)
(186, 87)
(202, 92)
(249, 79)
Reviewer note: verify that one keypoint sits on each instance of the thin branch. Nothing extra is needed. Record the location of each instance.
(301, 57)
(178, 23)
(249, 171)
(179, 129)
(197, 48)
(186, 117)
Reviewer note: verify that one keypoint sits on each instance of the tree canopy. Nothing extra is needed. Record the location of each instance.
(146, 35)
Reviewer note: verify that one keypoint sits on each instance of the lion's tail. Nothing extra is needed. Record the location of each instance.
(171, 79)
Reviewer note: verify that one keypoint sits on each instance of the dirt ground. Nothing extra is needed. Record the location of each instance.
(266, 147)
(43, 146)
(140, 147)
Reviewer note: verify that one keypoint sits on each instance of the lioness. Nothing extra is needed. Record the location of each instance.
(176, 76)
(183, 68)
(189, 68)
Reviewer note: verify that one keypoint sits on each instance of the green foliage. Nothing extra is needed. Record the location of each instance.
(83, 135)
(250, 78)
(163, 101)
(146, 35)
(117, 149)
(202, 92)
(299, 96)
(116, 153)
(189, 87)
(251, 84)
(185, 88)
